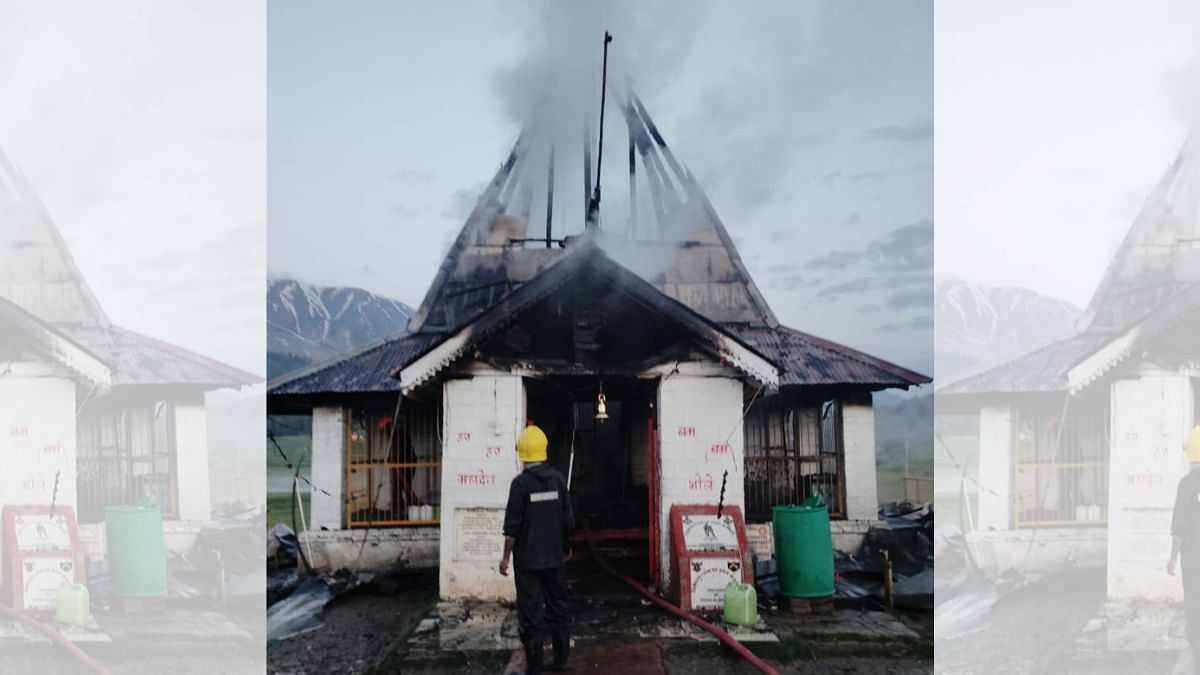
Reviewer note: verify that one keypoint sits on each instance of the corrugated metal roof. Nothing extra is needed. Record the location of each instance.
(1180, 309)
(136, 359)
(810, 360)
(365, 370)
(15, 321)
(1042, 370)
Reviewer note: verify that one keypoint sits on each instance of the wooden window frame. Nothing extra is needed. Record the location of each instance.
(121, 454)
(373, 414)
(795, 435)
(1074, 465)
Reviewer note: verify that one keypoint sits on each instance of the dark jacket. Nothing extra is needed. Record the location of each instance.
(540, 517)
(1185, 521)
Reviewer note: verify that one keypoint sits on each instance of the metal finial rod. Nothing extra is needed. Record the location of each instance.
(593, 215)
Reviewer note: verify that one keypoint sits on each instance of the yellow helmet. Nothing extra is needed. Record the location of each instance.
(1192, 445)
(531, 445)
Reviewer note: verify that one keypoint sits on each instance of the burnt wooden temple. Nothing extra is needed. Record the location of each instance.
(92, 414)
(1080, 441)
(541, 313)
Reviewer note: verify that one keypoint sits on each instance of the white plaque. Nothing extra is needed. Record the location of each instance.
(42, 577)
(478, 534)
(42, 532)
(710, 576)
(708, 533)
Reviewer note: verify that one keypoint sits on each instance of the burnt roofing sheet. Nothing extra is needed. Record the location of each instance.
(364, 370)
(810, 360)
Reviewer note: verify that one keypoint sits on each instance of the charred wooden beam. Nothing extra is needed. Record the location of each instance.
(632, 190)
(550, 200)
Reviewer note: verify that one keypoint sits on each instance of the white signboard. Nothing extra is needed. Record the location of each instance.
(42, 532)
(710, 576)
(42, 578)
(761, 538)
(709, 533)
(478, 534)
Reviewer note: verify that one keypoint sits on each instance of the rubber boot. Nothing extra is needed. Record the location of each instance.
(561, 640)
(534, 653)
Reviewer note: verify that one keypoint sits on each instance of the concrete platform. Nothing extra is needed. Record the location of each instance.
(15, 631)
(486, 626)
(872, 625)
(1133, 627)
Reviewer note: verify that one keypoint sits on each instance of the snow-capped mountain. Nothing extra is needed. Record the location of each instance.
(977, 325)
(308, 323)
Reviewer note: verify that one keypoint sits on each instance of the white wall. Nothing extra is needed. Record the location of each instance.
(37, 436)
(1039, 549)
(995, 467)
(386, 548)
(699, 407)
(191, 459)
(858, 437)
(328, 468)
(1150, 417)
(482, 417)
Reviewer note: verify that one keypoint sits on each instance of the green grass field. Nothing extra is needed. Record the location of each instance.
(279, 478)
(279, 509)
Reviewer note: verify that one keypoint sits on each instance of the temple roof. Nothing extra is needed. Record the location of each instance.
(38, 275)
(1160, 254)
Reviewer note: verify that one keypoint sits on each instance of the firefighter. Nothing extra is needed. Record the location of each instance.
(537, 528)
(1185, 540)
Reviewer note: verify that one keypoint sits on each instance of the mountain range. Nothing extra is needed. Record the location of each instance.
(977, 325)
(974, 326)
(307, 323)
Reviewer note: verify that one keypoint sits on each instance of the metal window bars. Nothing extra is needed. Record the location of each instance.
(125, 453)
(1060, 476)
(793, 451)
(399, 485)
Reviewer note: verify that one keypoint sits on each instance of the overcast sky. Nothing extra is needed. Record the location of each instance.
(142, 125)
(811, 127)
(1054, 122)
(809, 124)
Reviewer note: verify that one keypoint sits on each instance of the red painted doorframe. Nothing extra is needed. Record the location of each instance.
(652, 470)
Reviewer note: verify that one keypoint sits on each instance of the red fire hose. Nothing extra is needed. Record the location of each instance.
(717, 632)
(56, 637)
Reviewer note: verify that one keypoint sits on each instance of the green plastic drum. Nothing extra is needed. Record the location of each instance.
(804, 548)
(136, 551)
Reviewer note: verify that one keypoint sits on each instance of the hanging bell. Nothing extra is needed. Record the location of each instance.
(601, 407)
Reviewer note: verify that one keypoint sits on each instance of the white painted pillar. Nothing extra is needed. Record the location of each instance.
(483, 416)
(328, 468)
(700, 437)
(37, 437)
(191, 459)
(858, 438)
(1151, 415)
(995, 467)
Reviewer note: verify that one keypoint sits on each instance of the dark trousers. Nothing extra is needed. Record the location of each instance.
(1190, 571)
(542, 604)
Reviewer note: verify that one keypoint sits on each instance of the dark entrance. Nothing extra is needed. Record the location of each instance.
(610, 476)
